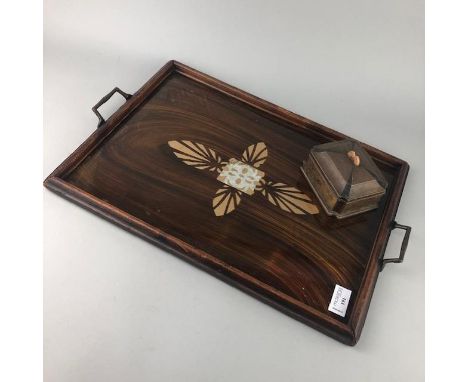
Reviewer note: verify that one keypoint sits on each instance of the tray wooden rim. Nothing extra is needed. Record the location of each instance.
(349, 332)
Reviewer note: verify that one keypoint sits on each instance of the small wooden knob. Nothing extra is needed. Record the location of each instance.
(354, 158)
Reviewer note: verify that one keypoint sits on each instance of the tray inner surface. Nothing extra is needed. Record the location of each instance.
(135, 170)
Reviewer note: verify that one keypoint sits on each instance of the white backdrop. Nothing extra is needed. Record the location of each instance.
(117, 308)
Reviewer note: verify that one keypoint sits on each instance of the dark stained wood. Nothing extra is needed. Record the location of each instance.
(126, 172)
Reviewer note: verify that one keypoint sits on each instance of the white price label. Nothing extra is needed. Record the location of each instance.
(339, 301)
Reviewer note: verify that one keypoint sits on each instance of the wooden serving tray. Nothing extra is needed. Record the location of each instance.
(212, 174)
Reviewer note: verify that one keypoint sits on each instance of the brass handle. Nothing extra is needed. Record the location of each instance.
(104, 100)
(404, 245)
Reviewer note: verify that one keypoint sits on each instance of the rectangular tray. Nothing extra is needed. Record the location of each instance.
(268, 243)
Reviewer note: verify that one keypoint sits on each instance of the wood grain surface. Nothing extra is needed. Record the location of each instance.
(128, 171)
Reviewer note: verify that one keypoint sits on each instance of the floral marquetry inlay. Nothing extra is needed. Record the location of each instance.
(242, 176)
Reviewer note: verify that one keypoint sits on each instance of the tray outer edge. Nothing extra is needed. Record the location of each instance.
(346, 333)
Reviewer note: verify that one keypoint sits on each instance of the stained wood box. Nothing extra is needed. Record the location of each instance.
(344, 178)
(212, 174)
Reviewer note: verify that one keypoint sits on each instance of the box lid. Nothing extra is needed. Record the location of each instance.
(349, 169)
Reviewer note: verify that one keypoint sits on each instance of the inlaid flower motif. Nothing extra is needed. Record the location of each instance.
(242, 176)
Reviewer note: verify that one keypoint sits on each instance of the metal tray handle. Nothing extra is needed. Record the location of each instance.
(104, 100)
(404, 245)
